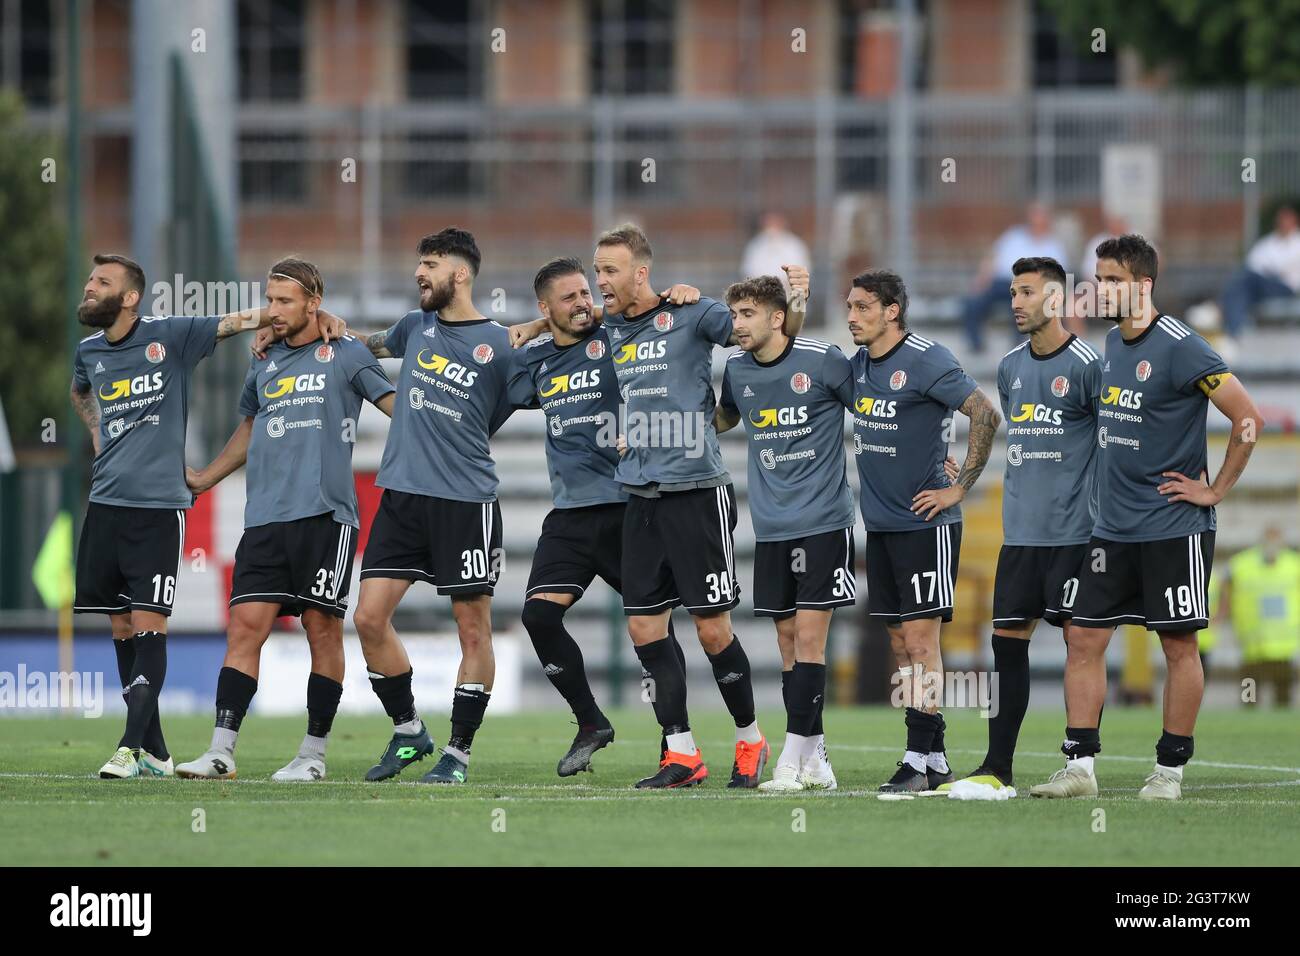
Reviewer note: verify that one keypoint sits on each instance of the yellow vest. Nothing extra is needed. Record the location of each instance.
(1208, 637)
(1266, 605)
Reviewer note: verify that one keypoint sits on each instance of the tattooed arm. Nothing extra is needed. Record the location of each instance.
(984, 421)
(377, 343)
(232, 323)
(1231, 398)
(88, 411)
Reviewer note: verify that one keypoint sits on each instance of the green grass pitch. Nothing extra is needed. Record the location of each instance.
(1241, 797)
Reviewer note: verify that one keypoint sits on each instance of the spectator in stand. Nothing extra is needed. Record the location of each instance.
(771, 248)
(1272, 271)
(1033, 238)
(1113, 225)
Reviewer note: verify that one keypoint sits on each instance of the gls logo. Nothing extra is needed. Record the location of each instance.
(446, 368)
(588, 378)
(1029, 412)
(132, 386)
(290, 383)
(790, 415)
(640, 351)
(1123, 397)
(876, 407)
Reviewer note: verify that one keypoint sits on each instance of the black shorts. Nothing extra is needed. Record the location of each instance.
(298, 565)
(1159, 584)
(454, 545)
(678, 549)
(576, 545)
(127, 559)
(813, 573)
(910, 574)
(1034, 582)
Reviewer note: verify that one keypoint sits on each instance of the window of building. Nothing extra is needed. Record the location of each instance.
(27, 50)
(1063, 60)
(630, 46)
(270, 43)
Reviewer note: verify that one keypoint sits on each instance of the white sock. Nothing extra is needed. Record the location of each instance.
(792, 753)
(1175, 771)
(683, 743)
(750, 734)
(312, 747)
(937, 762)
(410, 727)
(456, 752)
(817, 749)
(915, 760)
(1083, 762)
(223, 739)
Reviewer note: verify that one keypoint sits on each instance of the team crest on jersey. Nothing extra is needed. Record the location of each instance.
(155, 352)
(1060, 386)
(595, 349)
(800, 382)
(483, 354)
(324, 353)
(898, 380)
(1143, 370)
(664, 321)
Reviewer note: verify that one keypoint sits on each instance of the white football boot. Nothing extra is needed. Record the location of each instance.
(121, 766)
(151, 766)
(784, 778)
(301, 769)
(213, 765)
(816, 773)
(1162, 785)
(1070, 781)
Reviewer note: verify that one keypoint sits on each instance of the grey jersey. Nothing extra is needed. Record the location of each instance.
(305, 402)
(902, 404)
(1049, 402)
(452, 396)
(664, 363)
(1154, 398)
(574, 385)
(142, 384)
(793, 411)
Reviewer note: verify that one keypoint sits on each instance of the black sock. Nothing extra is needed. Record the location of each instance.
(467, 707)
(147, 674)
(395, 694)
(561, 659)
(323, 695)
(125, 651)
(937, 742)
(785, 700)
(1011, 664)
(1081, 742)
(668, 684)
(807, 687)
(920, 730)
(731, 671)
(817, 717)
(1173, 750)
(235, 691)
